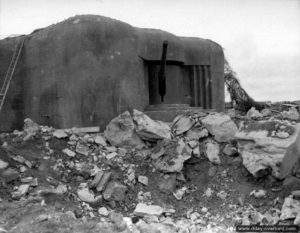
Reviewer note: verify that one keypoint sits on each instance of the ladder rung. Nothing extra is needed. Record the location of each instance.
(10, 72)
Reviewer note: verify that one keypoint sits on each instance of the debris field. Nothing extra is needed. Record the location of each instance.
(202, 172)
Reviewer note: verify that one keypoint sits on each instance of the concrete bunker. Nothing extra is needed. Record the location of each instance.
(87, 69)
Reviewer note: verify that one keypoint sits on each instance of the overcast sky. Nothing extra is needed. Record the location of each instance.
(261, 38)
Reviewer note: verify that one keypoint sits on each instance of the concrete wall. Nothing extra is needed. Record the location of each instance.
(87, 69)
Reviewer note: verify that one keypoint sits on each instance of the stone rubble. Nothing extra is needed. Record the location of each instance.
(148, 129)
(121, 132)
(142, 210)
(261, 149)
(220, 126)
(264, 146)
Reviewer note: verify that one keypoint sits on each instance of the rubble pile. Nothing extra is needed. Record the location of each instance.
(203, 172)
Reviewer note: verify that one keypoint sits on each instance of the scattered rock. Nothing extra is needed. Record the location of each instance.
(26, 179)
(208, 192)
(82, 148)
(19, 159)
(261, 152)
(21, 191)
(266, 112)
(103, 211)
(149, 129)
(291, 159)
(181, 124)
(96, 179)
(114, 191)
(212, 151)
(174, 154)
(179, 193)
(60, 133)
(292, 114)
(196, 133)
(254, 114)
(86, 195)
(118, 221)
(111, 155)
(204, 210)
(61, 189)
(103, 182)
(121, 132)
(220, 126)
(143, 209)
(258, 193)
(100, 140)
(3, 164)
(30, 127)
(143, 180)
(297, 220)
(290, 208)
(222, 195)
(69, 152)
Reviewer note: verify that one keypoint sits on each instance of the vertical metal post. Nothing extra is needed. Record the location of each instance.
(195, 89)
(204, 91)
(209, 88)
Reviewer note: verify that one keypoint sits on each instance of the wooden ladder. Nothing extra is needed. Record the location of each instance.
(10, 72)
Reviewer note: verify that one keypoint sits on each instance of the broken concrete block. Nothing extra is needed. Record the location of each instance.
(121, 132)
(266, 112)
(262, 151)
(212, 151)
(69, 152)
(175, 153)
(292, 114)
(193, 144)
(222, 195)
(258, 193)
(61, 189)
(30, 127)
(19, 159)
(103, 182)
(297, 220)
(290, 208)
(220, 126)
(100, 140)
(254, 114)
(83, 130)
(291, 159)
(21, 191)
(96, 179)
(143, 180)
(26, 179)
(86, 195)
(103, 211)
(196, 133)
(114, 191)
(181, 124)
(179, 193)
(143, 209)
(82, 148)
(3, 164)
(59, 133)
(150, 130)
(111, 155)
